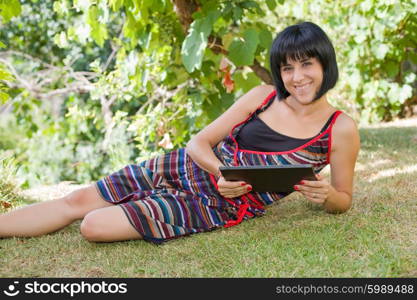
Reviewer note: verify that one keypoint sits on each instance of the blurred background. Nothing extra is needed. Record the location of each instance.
(87, 86)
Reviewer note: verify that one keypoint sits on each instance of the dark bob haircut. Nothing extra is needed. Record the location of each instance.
(303, 40)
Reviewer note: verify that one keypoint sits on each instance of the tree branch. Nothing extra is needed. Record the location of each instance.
(115, 48)
(162, 93)
(36, 82)
(262, 72)
(185, 10)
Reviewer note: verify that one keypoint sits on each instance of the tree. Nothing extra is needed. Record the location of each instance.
(123, 80)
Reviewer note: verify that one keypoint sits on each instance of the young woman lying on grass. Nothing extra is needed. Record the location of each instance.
(183, 192)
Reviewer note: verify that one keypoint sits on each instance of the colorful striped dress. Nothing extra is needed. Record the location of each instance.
(170, 196)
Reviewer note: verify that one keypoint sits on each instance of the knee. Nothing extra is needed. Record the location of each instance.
(76, 198)
(91, 228)
(77, 203)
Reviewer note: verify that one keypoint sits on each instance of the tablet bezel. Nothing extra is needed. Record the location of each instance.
(280, 178)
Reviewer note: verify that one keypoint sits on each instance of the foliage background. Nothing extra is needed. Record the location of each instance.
(90, 85)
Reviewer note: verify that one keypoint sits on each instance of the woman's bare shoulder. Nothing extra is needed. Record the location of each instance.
(260, 92)
(264, 88)
(345, 130)
(345, 125)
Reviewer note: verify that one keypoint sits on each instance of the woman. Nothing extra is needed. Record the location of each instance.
(183, 192)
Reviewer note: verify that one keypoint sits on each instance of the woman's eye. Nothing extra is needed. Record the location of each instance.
(307, 63)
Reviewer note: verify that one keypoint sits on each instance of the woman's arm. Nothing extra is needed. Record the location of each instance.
(336, 196)
(345, 149)
(199, 148)
(202, 154)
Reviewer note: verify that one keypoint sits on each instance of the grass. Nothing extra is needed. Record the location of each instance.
(376, 238)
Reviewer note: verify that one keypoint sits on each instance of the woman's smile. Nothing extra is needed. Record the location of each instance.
(303, 88)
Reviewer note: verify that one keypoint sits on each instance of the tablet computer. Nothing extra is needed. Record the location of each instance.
(269, 178)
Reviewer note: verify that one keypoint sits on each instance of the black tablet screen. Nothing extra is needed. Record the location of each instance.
(269, 178)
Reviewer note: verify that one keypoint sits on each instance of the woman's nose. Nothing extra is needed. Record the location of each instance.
(297, 75)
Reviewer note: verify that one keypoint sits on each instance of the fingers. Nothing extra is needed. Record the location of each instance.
(231, 189)
(311, 183)
(315, 191)
(230, 184)
(315, 197)
(235, 192)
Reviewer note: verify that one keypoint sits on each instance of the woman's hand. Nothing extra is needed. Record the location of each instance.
(315, 191)
(231, 189)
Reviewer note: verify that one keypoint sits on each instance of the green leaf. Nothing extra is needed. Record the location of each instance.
(246, 81)
(413, 57)
(237, 13)
(98, 30)
(61, 40)
(195, 43)
(9, 9)
(2, 45)
(60, 7)
(5, 75)
(253, 7)
(391, 68)
(215, 104)
(227, 39)
(116, 4)
(99, 34)
(3, 97)
(265, 38)
(271, 4)
(242, 51)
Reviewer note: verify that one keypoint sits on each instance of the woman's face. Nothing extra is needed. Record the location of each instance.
(302, 78)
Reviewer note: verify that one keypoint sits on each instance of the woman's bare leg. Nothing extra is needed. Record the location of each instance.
(49, 216)
(108, 224)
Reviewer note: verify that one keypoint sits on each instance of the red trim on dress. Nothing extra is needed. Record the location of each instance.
(243, 208)
(267, 99)
(329, 150)
(328, 130)
(289, 151)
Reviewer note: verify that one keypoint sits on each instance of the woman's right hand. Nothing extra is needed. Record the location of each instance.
(231, 189)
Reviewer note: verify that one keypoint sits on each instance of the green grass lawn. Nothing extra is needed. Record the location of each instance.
(376, 238)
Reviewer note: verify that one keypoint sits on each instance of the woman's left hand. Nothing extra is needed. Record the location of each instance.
(314, 191)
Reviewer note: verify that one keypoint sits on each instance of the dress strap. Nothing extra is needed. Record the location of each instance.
(330, 130)
(267, 102)
(330, 120)
(335, 115)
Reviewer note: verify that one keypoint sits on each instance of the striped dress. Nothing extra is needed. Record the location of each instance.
(170, 196)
